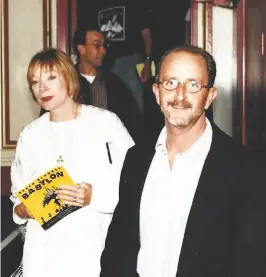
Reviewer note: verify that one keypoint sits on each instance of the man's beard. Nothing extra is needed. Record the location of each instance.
(175, 119)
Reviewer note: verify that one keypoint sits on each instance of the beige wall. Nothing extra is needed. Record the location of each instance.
(25, 39)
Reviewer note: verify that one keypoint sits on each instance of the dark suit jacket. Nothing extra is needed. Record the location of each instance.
(226, 230)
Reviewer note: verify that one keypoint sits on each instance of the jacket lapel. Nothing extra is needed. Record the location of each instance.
(205, 206)
(85, 96)
(133, 176)
(143, 162)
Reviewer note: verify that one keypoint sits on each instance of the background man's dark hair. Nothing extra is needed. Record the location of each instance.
(79, 38)
(210, 63)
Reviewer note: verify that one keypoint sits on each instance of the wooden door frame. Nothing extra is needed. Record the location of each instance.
(66, 24)
(240, 48)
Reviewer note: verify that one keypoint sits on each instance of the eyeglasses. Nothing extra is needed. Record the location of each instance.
(191, 85)
(99, 45)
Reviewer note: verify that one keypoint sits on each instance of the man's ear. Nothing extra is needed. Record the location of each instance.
(211, 96)
(81, 49)
(155, 89)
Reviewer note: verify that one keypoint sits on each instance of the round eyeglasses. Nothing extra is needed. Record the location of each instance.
(99, 45)
(191, 85)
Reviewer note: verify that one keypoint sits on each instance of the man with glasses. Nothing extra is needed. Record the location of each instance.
(99, 86)
(190, 203)
(126, 24)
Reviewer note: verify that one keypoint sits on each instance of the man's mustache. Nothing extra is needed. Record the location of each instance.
(180, 104)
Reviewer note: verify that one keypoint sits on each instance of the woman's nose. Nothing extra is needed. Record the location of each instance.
(43, 86)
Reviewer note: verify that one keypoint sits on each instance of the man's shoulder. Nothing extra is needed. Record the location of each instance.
(229, 152)
(114, 83)
(226, 143)
(111, 77)
(144, 147)
(136, 165)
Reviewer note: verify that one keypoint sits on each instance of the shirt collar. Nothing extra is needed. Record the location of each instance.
(203, 141)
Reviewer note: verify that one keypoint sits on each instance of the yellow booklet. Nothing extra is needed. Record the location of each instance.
(40, 199)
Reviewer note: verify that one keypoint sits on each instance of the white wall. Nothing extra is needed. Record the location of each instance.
(200, 38)
(223, 54)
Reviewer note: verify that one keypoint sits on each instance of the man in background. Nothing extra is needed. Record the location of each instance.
(127, 27)
(99, 86)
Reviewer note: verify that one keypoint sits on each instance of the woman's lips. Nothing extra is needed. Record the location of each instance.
(46, 98)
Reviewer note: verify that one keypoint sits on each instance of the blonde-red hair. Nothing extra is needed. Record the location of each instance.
(52, 59)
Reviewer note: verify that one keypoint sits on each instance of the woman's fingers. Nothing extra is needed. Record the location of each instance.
(29, 213)
(68, 188)
(87, 192)
(74, 202)
(71, 199)
(72, 195)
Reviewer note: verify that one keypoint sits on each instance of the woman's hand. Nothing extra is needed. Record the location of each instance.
(22, 211)
(75, 196)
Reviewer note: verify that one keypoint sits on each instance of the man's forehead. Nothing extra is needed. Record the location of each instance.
(184, 66)
(183, 60)
(184, 57)
(94, 35)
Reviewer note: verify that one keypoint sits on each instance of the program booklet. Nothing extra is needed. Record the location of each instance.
(40, 199)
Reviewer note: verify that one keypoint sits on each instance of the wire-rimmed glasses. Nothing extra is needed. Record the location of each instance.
(192, 86)
(98, 45)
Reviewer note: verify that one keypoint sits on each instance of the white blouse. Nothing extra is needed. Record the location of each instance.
(73, 246)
